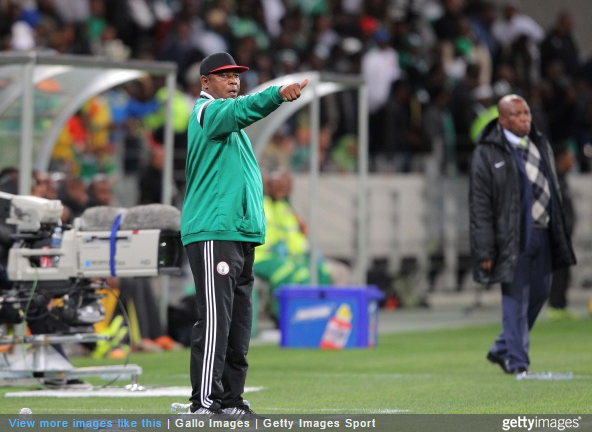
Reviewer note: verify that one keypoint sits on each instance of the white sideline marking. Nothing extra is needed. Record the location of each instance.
(376, 376)
(114, 392)
(339, 411)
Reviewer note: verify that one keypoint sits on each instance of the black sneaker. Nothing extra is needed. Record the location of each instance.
(202, 411)
(240, 411)
(237, 410)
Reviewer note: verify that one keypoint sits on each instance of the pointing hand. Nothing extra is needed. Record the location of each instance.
(291, 92)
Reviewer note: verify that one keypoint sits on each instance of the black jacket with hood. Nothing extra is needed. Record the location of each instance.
(500, 199)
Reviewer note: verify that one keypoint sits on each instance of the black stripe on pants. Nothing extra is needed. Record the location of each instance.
(223, 275)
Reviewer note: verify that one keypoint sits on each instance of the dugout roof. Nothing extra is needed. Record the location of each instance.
(39, 92)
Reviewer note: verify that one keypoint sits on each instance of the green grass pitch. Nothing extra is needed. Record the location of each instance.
(433, 372)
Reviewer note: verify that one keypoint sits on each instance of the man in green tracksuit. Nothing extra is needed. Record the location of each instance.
(222, 221)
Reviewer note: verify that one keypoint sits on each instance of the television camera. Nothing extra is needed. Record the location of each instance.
(104, 242)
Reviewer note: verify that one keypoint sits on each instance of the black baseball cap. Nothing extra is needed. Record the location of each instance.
(218, 62)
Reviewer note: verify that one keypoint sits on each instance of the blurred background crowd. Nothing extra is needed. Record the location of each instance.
(434, 69)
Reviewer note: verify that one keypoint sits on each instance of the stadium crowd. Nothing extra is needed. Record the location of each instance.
(434, 68)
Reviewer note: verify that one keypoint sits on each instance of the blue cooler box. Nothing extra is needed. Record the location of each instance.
(329, 317)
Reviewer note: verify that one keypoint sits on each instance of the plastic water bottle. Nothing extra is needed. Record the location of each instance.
(545, 376)
(56, 243)
(338, 329)
(180, 408)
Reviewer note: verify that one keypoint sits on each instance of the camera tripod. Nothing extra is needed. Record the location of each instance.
(34, 356)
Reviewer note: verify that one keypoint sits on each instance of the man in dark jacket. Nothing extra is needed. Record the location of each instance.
(518, 231)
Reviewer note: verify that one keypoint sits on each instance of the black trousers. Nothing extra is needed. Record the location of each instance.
(139, 292)
(223, 274)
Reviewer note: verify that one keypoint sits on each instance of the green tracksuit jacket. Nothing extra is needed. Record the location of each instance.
(224, 191)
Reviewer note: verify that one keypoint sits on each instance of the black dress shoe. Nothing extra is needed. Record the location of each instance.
(502, 362)
(518, 370)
